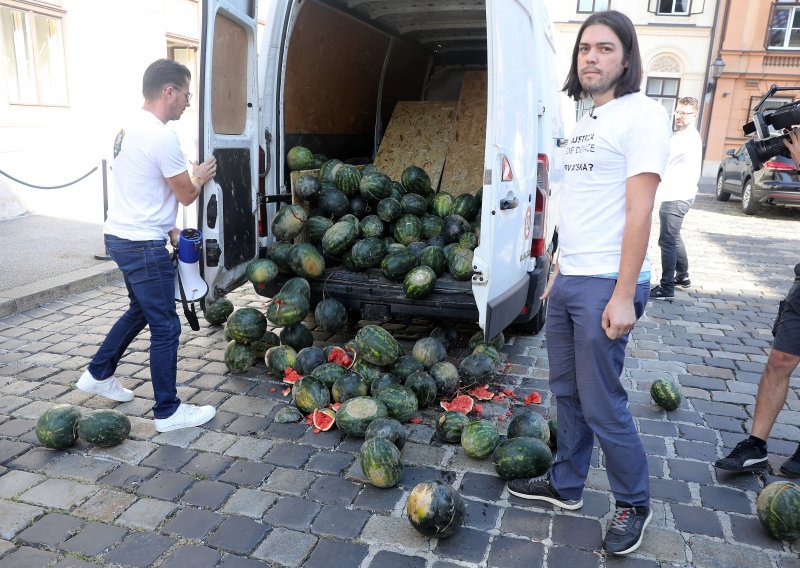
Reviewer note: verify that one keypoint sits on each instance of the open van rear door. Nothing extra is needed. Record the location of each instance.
(228, 93)
(503, 259)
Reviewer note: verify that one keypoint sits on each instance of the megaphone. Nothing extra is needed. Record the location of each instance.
(189, 285)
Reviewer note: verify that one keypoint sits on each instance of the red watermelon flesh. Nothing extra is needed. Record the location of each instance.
(290, 376)
(323, 419)
(462, 403)
(482, 393)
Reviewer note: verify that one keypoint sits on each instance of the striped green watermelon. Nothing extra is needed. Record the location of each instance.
(450, 425)
(414, 204)
(307, 188)
(400, 401)
(431, 226)
(280, 358)
(477, 338)
(218, 312)
(487, 350)
(419, 282)
(380, 462)
(297, 285)
(300, 158)
(407, 229)
(423, 386)
(381, 381)
(389, 210)
(348, 179)
(429, 351)
(442, 204)
(327, 171)
(333, 203)
(306, 261)
(372, 226)
(666, 393)
(260, 271)
(465, 206)
(396, 264)
(445, 375)
(416, 180)
(434, 258)
(104, 427)
(522, 458)
(529, 425)
(288, 222)
(285, 309)
(339, 238)
(377, 346)
(387, 428)
(356, 414)
(246, 325)
(460, 264)
(367, 371)
(238, 357)
(468, 241)
(778, 508)
(57, 428)
(368, 253)
(348, 386)
(405, 366)
(479, 439)
(278, 252)
(309, 394)
(316, 227)
(328, 373)
(374, 187)
(475, 369)
(435, 509)
(331, 315)
(297, 336)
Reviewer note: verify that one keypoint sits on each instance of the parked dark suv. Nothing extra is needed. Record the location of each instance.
(777, 183)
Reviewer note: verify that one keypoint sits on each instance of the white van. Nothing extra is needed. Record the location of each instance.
(328, 77)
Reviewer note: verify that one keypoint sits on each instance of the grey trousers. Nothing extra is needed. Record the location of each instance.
(585, 370)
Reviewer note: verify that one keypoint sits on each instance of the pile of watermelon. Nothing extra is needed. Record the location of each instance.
(360, 219)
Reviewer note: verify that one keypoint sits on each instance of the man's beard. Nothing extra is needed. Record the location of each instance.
(606, 83)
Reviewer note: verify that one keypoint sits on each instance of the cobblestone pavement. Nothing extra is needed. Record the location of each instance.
(243, 491)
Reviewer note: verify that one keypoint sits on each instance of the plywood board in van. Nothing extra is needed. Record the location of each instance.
(463, 171)
(418, 134)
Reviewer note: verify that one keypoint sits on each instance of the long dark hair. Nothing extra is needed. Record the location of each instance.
(622, 26)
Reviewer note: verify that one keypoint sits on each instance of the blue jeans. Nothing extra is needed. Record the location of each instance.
(150, 279)
(585, 369)
(674, 262)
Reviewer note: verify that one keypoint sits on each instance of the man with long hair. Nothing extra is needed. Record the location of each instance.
(613, 161)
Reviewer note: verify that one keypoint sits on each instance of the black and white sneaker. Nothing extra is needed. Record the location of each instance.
(684, 283)
(658, 293)
(746, 456)
(539, 489)
(791, 467)
(627, 529)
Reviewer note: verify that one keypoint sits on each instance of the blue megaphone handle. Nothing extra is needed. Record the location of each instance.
(190, 243)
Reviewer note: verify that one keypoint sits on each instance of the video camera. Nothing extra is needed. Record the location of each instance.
(766, 145)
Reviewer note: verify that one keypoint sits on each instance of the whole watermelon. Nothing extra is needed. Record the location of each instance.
(300, 158)
(529, 425)
(380, 462)
(309, 394)
(286, 309)
(331, 315)
(415, 180)
(57, 428)
(387, 428)
(247, 325)
(104, 427)
(238, 357)
(521, 458)
(218, 312)
(479, 439)
(778, 508)
(435, 509)
(377, 346)
(288, 222)
(666, 393)
(306, 261)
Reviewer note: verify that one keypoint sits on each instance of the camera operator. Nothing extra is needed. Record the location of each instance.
(751, 453)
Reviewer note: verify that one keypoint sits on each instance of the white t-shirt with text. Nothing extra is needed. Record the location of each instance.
(625, 137)
(142, 206)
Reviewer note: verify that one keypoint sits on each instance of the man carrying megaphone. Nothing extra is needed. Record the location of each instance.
(150, 179)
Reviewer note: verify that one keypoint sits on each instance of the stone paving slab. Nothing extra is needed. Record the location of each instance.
(243, 491)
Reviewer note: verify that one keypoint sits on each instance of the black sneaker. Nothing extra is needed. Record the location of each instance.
(746, 456)
(791, 467)
(658, 293)
(539, 489)
(684, 283)
(627, 529)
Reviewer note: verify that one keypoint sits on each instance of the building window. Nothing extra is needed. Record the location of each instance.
(784, 30)
(184, 52)
(665, 91)
(674, 7)
(33, 54)
(588, 6)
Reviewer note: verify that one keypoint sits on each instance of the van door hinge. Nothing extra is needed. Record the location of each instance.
(541, 108)
(479, 280)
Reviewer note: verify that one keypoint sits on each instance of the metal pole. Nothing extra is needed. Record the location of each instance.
(104, 171)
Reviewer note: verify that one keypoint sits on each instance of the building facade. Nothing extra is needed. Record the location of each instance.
(70, 73)
(759, 42)
(675, 40)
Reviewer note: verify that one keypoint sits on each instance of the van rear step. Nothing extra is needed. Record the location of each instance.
(379, 299)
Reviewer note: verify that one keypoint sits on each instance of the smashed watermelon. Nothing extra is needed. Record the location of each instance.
(342, 356)
(323, 419)
(290, 376)
(462, 403)
(482, 393)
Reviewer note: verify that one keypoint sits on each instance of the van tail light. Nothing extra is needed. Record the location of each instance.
(775, 165)
(539, 232)
(508, 175)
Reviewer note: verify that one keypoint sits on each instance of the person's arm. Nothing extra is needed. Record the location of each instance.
(187, 188)
(792, 142)
(619, 316)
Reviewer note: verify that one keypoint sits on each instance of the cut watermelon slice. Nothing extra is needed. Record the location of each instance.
(290, 376)
(533, 398)
(462, 403)
(335, 406)
(323, 419)
(482, 393)
(478, 409)
(342, 356)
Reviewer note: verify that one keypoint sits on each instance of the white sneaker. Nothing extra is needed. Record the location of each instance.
(109, 388)
(186, 416)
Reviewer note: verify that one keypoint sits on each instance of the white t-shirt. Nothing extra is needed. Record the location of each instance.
(625, 137)
(142, 206)
(679, 182)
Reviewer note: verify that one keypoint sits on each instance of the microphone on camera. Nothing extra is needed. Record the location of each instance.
(591, 113)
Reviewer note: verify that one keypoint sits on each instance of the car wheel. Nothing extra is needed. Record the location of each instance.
(749, 204)
(721, 194)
